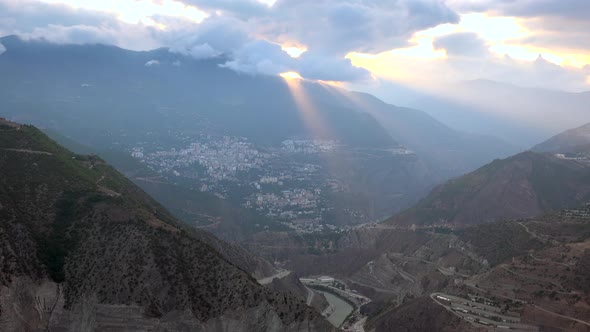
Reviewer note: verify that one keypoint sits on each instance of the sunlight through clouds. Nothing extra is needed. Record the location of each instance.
(493, 29)
(327, 40)
(294, 51)
(291, 75)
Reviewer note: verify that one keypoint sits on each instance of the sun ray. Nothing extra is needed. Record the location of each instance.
(308, 111)
(291, 75)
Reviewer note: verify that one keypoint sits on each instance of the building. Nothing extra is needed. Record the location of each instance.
(325, 279)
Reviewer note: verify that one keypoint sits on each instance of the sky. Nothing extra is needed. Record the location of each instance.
(422, 43)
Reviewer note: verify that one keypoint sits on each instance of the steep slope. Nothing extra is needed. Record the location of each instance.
(83, 248)
(203, 210)
(520, 186)
(568, 141)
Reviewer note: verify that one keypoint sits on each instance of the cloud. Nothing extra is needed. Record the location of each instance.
(152, 63)
(339, 27)
(63, 24)
(228, 36)
(462, 44)
(433, 73)
(548, 23)
(260, 57)
(220, 35)
(244, 9)
(326, 68)
(247, 32)
(573, 9)
(134, 37)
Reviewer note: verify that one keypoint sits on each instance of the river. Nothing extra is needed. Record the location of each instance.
(341, 308)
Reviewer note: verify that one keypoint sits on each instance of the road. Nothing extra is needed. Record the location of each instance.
(310, 295)
(29, 151)
(106, 190)
(280, 275)
(562, 316)
(549, 261)
(533, 234)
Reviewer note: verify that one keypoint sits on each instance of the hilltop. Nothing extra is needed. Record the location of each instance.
(521, 186)
(83, 248)
(567, 141)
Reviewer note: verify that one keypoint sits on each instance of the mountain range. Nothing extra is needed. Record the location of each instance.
(521, 116)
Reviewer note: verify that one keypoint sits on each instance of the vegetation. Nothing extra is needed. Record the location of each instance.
(77, 221)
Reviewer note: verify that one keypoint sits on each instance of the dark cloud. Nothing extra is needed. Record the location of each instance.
(462, 44)
(558, 32)
(339, 27)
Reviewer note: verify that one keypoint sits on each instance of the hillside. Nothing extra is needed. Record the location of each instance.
(82, 248)
(532, 272)
(521, 186)
(567, 141)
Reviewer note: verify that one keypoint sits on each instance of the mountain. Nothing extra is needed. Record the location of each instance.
(533, 271)
(382, 159)
(83, 248)
(520, 116)
(521, 186)
(454, 152)
(567, 141)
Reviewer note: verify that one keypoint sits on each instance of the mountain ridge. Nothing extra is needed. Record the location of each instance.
(521, 186)
(567, 141)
